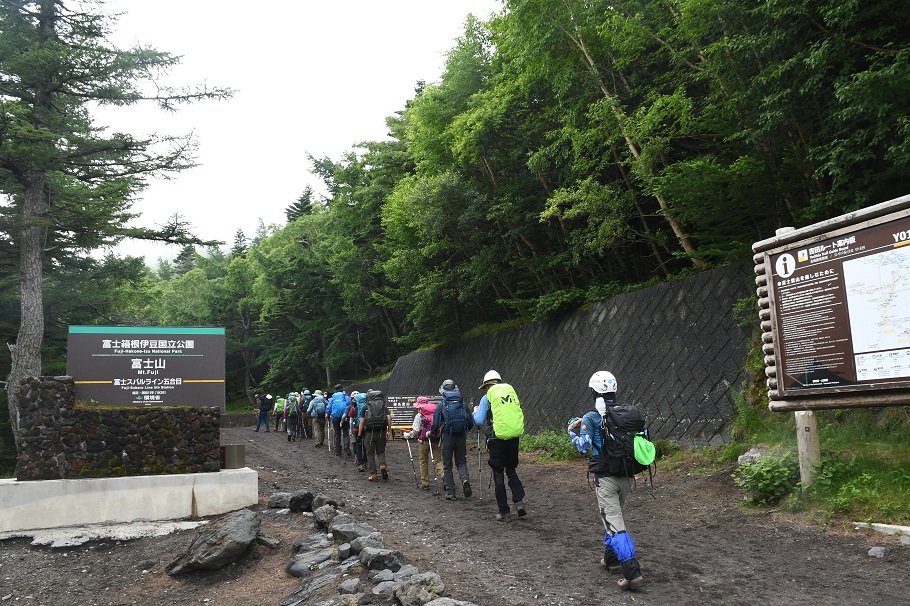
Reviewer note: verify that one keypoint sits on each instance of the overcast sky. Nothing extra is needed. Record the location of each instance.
(310, 76)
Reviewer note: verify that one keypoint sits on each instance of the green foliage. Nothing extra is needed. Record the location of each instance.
(550, 446)
(769, 479)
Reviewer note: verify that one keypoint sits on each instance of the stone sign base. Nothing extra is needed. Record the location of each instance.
(59, 503)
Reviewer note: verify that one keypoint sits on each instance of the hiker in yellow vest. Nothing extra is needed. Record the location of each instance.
(500, 414)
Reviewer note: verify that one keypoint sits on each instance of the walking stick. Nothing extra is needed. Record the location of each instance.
(328, 431)
(411, 456)
(433, 463)
(479, 467)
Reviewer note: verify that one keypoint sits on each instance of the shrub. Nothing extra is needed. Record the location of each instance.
(769, 479)
(550, 445)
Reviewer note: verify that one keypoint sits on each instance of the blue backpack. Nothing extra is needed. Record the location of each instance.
(338, 405)
(454, 414)
(318, 407)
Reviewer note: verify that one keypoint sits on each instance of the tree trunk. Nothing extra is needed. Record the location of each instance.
(26, 353)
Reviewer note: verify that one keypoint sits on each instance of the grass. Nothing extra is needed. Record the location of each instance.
(864, 472)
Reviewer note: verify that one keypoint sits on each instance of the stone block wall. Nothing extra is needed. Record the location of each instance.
(676, 349)
(60, 439)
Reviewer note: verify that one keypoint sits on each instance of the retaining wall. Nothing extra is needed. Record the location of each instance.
(676, 349)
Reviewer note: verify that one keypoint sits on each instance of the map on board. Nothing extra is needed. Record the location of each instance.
(878, 295)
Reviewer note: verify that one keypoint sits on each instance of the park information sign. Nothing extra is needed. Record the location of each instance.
(147, 366)
(839, 305)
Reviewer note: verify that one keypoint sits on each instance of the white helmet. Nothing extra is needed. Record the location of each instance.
(490, 378)
(602, 382)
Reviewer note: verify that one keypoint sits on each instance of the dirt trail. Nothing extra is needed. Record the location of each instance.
(695, 544)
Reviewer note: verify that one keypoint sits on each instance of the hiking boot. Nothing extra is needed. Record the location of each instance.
(385, 473)
(520, 509)
(424, 486)
(361, 468)
(610, 562)
(631, 575)
(450, 496)
(504, 517)
(347, 451)
(289, 437)
(467, 488)
(631, 585)
(373, 477)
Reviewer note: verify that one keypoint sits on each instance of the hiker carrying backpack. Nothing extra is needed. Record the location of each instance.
(375, 425)
(375, 411)
(610, 434)
(452, 421)
(454, 417)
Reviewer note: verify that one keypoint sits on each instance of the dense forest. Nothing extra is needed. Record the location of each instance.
(570, 151)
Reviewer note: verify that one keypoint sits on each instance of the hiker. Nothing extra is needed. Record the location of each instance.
(292, 415)
(265, 407)
(452, 421)
(358, 402)
(500, 414)
(306, 422)
(337, 408)
(316, 412)
(588, 435)
(278, 411)
(376, 429)
(420, 429)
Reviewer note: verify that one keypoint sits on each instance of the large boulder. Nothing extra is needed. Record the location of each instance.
(218, 544)
(377, 559)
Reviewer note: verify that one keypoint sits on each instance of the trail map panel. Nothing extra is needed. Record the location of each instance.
(842, 311)
(147, 366)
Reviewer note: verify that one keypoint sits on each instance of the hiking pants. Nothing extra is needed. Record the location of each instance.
(359, 455)
(319, 431)
(374, 444)
(292, 426)
(504, 459)
(306, 427)
(455, 447)
(263, 416)
(425, 462)
(339, 434)
(611, 495)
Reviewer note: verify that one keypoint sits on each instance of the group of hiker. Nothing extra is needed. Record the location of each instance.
(360, 424)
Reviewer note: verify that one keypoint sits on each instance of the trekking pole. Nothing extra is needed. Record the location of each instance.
(433, 463)
(479, 468)
(328, 431)
(411, 456)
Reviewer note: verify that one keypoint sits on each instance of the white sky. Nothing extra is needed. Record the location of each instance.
(311, 76)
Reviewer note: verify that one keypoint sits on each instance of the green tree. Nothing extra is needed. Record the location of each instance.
(303, 205)
(70, 183)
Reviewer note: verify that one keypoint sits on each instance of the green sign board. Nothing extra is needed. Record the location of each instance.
(147, 366)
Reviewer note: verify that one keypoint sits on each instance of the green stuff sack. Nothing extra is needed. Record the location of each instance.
(644, 450)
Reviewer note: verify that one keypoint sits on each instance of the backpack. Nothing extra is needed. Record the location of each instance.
(279, 405)
(292, 407)
(375, 412)
(505, 410)
(454, 414)
(620, 429)
(339, 405)
(426, 422)
(318, 407)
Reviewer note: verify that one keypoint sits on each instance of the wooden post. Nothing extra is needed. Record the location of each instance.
(807, 441)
